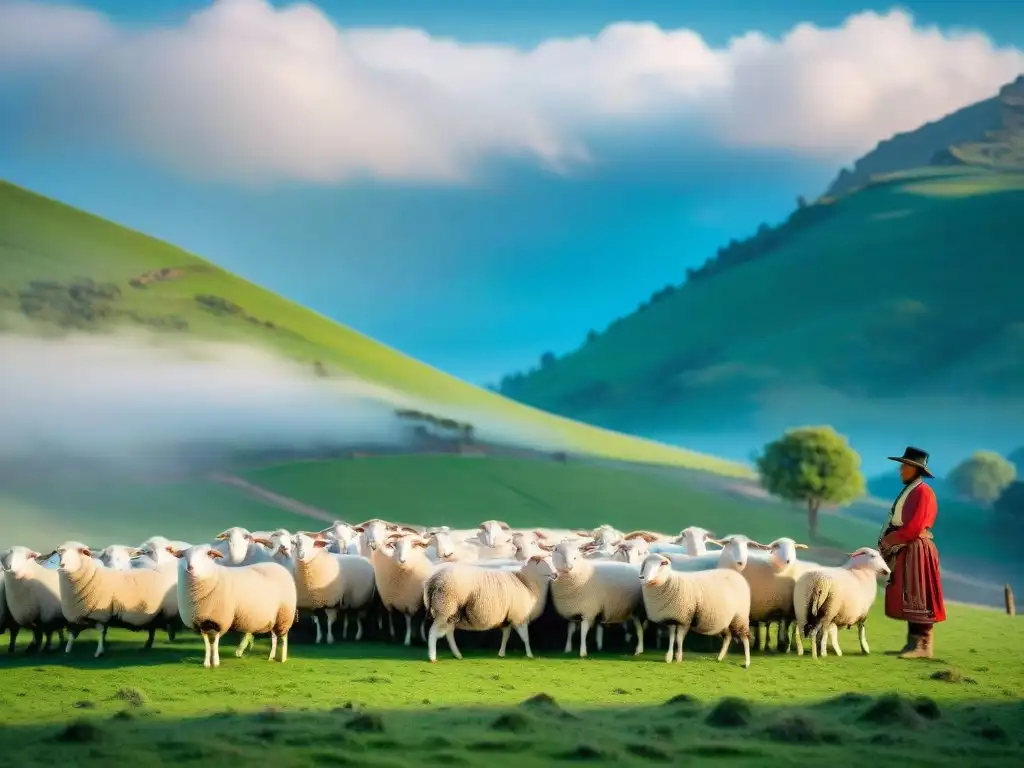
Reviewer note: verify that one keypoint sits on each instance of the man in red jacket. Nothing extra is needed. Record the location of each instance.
(914, 591)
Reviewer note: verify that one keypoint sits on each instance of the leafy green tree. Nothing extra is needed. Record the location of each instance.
(812, 465)
(982, 476)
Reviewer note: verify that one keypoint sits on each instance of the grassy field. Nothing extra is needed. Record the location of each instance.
(840, 325)
(380, 705)
(61, 268)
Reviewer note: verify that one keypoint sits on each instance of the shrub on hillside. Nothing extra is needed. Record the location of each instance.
(982, 477)
(814, 466)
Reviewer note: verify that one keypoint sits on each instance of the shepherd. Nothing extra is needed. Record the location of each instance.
(914, 591)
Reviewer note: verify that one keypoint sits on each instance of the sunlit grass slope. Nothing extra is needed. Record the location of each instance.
(47, 247)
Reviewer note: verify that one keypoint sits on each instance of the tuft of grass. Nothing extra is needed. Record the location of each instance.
(952, 676)
(730, 712)
(132, 696)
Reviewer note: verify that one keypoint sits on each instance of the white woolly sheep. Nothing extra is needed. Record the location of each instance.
(601, 535)
(240, 548)
(117, 557)
(825, 599)
(589, 592)
(138, 598)
(256, 599)
(714, 602)
(470, 597)
(31, 597)
(332, 582)
(772, 580)
(341, 537)
(401, 568)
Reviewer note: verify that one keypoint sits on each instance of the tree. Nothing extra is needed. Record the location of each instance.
(547, 360)
(1011, 500)
(812, 465)
(982, 477)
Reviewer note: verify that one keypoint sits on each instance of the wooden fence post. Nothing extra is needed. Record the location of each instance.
(1011, 609)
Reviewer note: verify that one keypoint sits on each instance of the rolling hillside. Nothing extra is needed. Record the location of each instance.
(63, 269)
(902, 287)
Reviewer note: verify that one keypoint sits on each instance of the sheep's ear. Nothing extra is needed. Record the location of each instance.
(358, 529)
(424, 543)
(43, 558)
(540, 534)
(264, 542)
(717, 542)
(536, 559)
(85, 551)
(215, 554)
(801, 546)
(759, 545)
(179, 553)
(321, 543)
(581, 533)
(504, 526)
(545, 546)
(221, 536)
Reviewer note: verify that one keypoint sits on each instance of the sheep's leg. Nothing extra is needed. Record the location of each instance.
(49, 642)
(862, 635)
(273, 647)
(436, 629)
(423, 629)
(37, 640)
(671, 642)
(359, 627)
(207, 648)
(60, 636)
(680, 636)
(584, 629)
(568, 636)
(505, 632)
(798, 639)
(755, 629)
(450, 637)
(813, 637)
(284, 648)
(319, 632)
(100, 644)
(216, 649)
(523, 630)
(639, 637)
(627, 631)
(332, 616)
(149, 640)
(71, 642)
(659, 635)
(247, 642)
(408, 630)
(171, 631)
(600, 636)
(725, 646)
(344, 625)
(833, 633)
(746, 652)
(391, 624)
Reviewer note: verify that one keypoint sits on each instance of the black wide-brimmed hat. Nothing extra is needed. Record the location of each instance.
(915, 457)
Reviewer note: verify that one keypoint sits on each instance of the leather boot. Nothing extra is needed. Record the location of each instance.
(922, 648)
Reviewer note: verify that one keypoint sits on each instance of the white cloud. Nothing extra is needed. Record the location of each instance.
(244, 91)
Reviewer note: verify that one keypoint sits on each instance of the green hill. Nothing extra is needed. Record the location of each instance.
(908, 286)
(987, 133)
(63, 269)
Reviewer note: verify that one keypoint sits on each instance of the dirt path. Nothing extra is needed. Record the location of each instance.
(276, 499)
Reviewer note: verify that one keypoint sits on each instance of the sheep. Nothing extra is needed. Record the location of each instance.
(32, 597)
(631, 551)
(240, 548)
(469, 597)
(156, 550)
(332, 582)
(116, 557)
(605, 593)
(342, 538)
(255, 599)
(400, 573)
(137, 598)
(713, 602)
(827, 598)
(527, 545)
(6, 622)
(443, 547)
(494, 538)
(733, 554)
(771, 581)
(603, 534)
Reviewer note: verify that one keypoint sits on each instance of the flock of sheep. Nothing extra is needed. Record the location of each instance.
(492, 577)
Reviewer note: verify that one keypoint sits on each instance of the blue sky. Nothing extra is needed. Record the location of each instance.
(473, 257)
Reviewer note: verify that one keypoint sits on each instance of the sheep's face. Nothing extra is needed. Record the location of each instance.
(735, 550)
(237, 542)
(156, 549)
(343, 533)
(306, 546)
(655, 569)
(526, 546)
(198, 561)
(543, 566)
(868, 558)
(493, 533)
(607, 535)
(402, 548)
(282, 545)
(564, 556)
(117, 557)
(632, 551)
(15, 560)
(443, 544)
(782, 553)
(374, 532)
(694, 540)
(71, 556)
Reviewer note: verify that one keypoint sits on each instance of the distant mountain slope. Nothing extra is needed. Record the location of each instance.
(908, 288)
(970, 135)
(61, 267)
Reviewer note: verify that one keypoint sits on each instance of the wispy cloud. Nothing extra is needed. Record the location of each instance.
(243, 91)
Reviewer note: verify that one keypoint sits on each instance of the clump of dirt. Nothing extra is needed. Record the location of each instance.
(952, 676)
(132, 696)
(86, 704)
(648, 752)
(80, 732)
(514, 722)
(891, 709)
(366, 723)
(545, 704)
(729, 713)
(683, 699)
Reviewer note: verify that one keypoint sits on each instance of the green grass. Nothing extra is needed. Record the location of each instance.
(901, 288)
(379, 705)
(44, 240)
